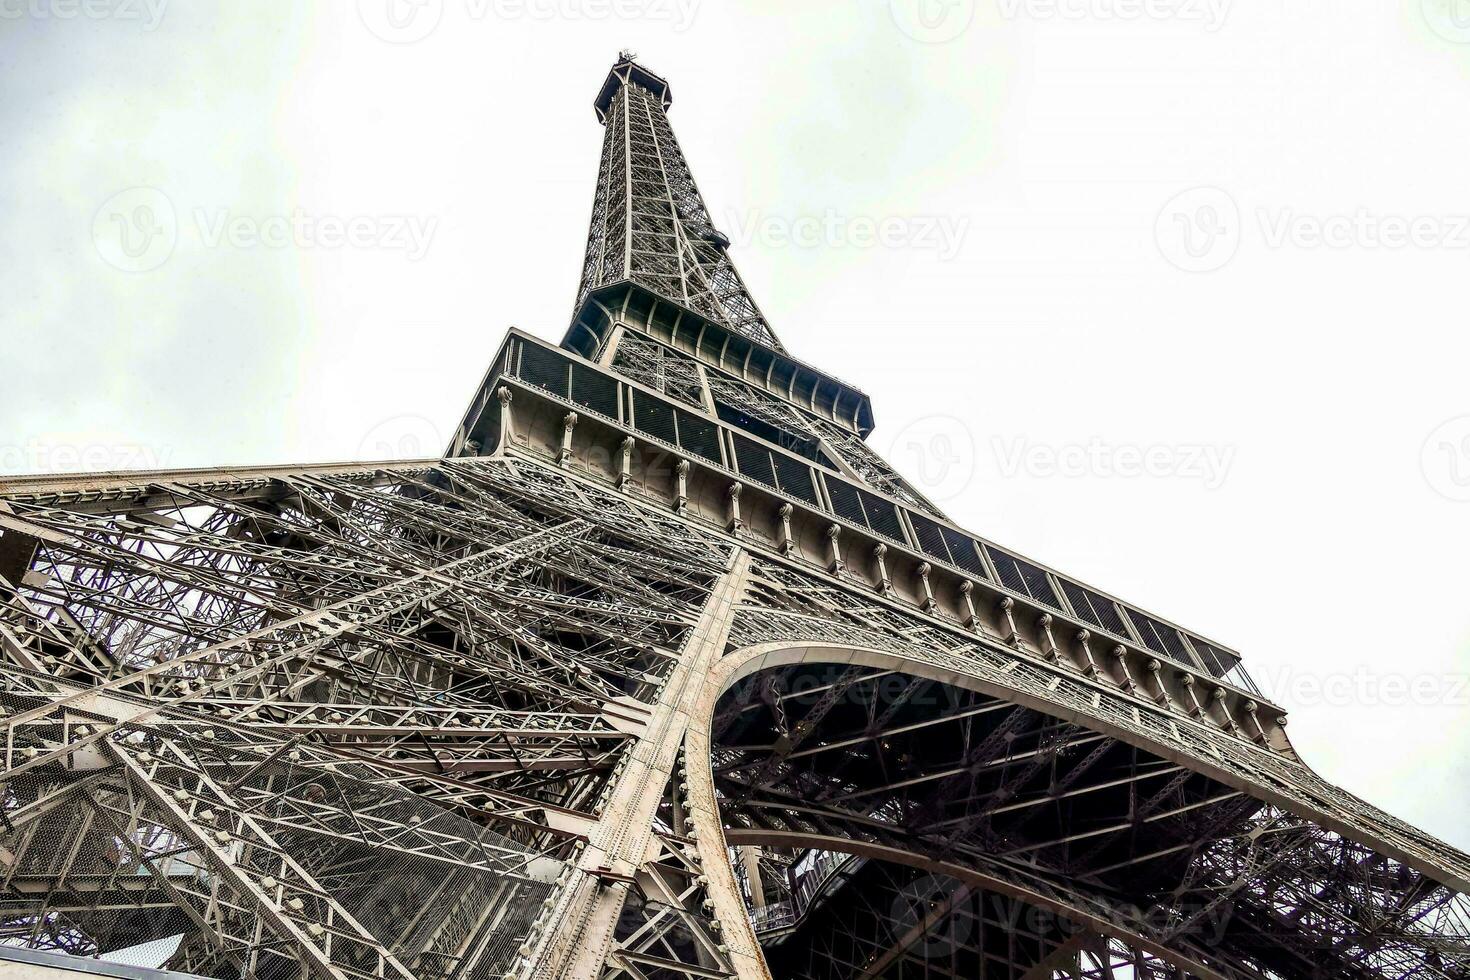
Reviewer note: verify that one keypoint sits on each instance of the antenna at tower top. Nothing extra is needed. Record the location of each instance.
(627, 54)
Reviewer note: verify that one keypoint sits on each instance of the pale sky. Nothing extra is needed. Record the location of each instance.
(1167, 294)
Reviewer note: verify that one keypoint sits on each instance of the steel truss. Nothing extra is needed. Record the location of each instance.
(510, 715)
(649, 223)
(1069, 799)
(285, 715)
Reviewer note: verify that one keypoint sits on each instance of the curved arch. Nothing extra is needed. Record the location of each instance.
(780, 653)
(1078, 907)
(712, 837)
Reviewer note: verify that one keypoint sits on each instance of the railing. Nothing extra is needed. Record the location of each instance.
(680, 426)
(826, 868)
(777, 915)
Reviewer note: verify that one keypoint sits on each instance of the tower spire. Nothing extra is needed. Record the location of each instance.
(650, 225)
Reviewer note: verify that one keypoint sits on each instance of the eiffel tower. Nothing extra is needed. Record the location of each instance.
(659, 672)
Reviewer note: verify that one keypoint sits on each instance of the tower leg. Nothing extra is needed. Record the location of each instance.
(582, 940)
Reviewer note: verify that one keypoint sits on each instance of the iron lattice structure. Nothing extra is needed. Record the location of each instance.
(659, 672)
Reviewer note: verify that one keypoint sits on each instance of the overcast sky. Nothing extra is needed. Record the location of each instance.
(1169, 294)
